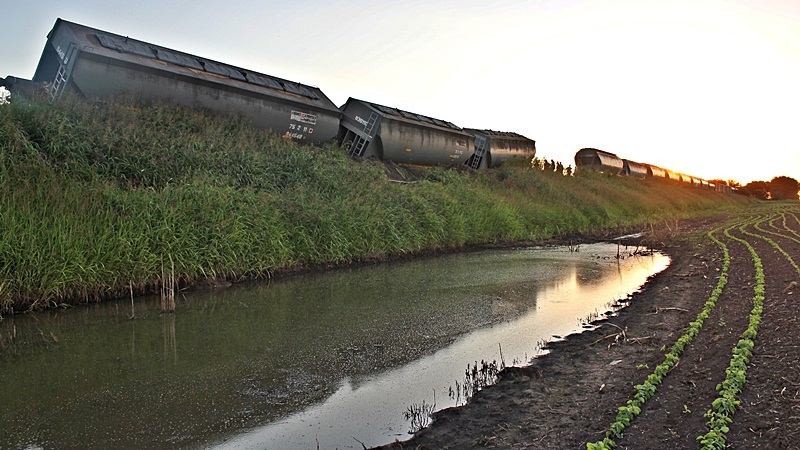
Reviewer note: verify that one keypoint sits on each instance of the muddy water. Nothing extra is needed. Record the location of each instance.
(327, 360)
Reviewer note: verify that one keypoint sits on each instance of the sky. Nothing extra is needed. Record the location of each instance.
(710, 88)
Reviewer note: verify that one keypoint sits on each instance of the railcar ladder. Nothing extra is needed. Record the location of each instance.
(360, 143)
(480, 151)
(60, 82)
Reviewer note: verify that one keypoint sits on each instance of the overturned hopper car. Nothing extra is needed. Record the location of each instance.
(494, 147)
(98, 64)
(389, 134)
(598, 161)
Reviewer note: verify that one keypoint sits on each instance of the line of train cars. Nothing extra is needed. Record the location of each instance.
(602, 161)
(99, 64)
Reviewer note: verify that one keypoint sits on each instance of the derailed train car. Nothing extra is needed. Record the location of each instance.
(494, 147)
(390, 134)
(99, 64)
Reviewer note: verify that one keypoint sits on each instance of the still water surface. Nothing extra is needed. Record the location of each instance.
(328, 360)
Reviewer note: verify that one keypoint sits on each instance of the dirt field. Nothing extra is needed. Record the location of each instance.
(570, 396)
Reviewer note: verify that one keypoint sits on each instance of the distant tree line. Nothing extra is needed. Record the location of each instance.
(779, 188)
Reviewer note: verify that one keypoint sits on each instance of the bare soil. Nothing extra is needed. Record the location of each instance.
(570, 396)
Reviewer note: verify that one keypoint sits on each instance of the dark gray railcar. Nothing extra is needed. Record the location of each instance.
(494, 147)
(98, 64)
(389, 134)
(598, 160)
(634, 169)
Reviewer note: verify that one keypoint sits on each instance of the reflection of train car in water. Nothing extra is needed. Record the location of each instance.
(602, 161)
(98, 64)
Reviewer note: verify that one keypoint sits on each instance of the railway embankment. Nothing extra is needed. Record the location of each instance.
(109, 199)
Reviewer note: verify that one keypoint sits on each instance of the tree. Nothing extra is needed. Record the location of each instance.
(784, 188)
(757, 189)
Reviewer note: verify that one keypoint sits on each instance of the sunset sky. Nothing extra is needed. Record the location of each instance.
(706, 87)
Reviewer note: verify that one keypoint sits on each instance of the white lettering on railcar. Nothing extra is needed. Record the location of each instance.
(308, 118)
(61, 53)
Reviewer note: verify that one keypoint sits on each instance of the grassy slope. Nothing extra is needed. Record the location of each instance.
(97, 198)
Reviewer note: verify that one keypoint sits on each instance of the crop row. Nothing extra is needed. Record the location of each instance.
(724, 406)
(646, 390)
(774, 244)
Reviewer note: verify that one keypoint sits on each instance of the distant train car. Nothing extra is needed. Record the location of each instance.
(656, 172)
(634, 169)
(598, 161)
(494, 147)
(672, 176)
(98, 64)
(389, 134)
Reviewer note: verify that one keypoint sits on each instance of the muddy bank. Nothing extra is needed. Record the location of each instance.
(569, 397)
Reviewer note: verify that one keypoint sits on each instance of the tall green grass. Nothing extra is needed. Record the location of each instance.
(98, 197)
